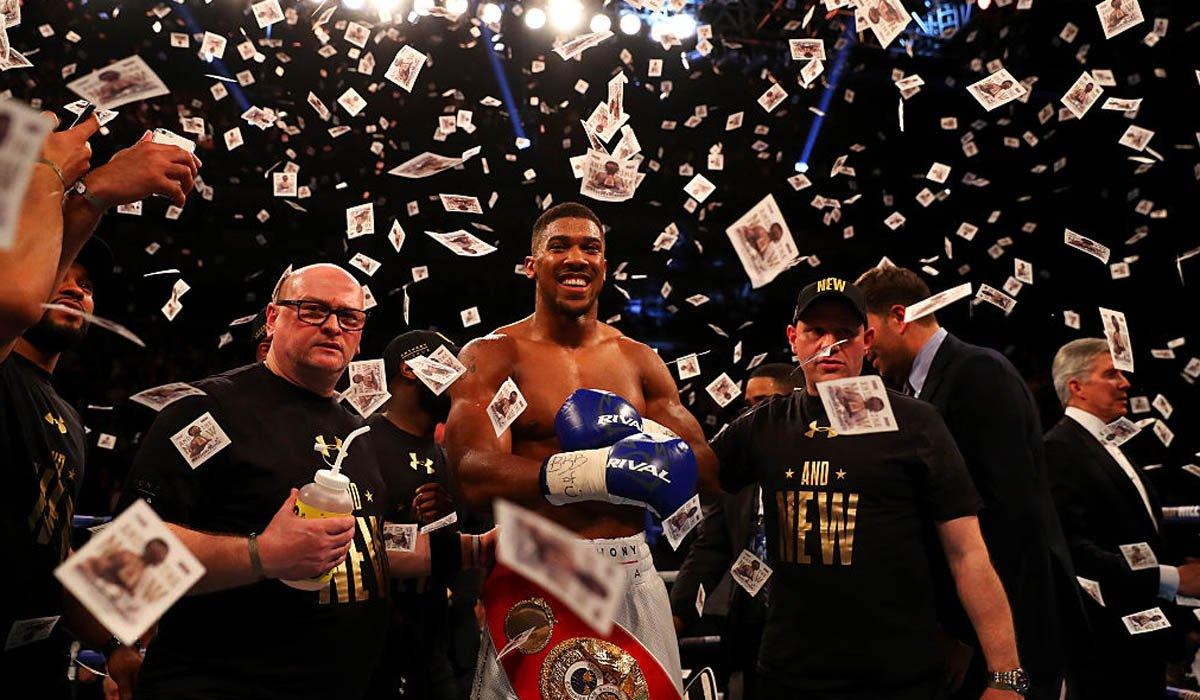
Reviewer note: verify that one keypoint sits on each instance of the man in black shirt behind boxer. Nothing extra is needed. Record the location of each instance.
(852, 611)
(416, 663)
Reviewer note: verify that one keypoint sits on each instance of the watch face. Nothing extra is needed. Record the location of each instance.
(1021, 681)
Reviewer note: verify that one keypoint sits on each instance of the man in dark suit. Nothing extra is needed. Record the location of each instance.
(731, 523)
(1113, 521)
(992, 416)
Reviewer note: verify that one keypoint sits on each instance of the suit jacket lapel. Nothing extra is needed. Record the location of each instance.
(937, 368)
(1116, 475)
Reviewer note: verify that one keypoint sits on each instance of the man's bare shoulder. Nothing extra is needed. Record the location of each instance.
(638, 353)
(497, 348)
(516, 329)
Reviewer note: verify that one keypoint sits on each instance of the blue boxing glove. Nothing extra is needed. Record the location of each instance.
(658, 473)
(593, 418)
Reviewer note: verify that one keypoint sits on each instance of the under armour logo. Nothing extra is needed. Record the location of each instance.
(56, 422)
(813, 429)
(415, 463)
(325, 448)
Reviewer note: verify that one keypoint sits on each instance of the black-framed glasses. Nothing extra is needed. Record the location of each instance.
(314, 313)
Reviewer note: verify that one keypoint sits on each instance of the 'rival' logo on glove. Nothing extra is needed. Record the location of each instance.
(630, 465)
(616, 418)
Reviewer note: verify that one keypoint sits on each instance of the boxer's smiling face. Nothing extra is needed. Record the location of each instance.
(569, 267)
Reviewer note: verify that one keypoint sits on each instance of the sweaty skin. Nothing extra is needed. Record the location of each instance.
(558, 349)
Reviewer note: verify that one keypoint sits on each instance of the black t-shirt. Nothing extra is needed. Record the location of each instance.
(42, 452)
(417, 638)
(406, 461)
(265, 640)
(851, 600)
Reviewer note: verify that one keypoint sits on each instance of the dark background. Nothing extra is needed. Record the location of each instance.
(232, 261)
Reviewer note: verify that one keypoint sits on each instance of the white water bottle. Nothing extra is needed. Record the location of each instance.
(327, 496)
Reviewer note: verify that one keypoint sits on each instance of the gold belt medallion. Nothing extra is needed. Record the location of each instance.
(583, 668)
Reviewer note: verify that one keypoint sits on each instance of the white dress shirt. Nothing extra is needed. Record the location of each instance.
(924, 360)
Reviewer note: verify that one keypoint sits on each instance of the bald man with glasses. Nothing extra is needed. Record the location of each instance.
(241, 632)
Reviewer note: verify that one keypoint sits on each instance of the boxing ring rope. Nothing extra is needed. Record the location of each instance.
(1181, 514)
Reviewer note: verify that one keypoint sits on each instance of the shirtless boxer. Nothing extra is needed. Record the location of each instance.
(554, 459)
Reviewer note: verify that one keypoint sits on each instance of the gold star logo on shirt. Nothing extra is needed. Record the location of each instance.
(370, 498)
(789, 474)
(841, 473)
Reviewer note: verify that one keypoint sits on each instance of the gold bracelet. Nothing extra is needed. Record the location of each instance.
(57, 171)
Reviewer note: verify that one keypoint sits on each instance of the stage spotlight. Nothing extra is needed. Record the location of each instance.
(456, 7)
(681, 25)
(630, 24)
(535, 18)
(985, 4)
(658, 26)
(601, 23)
(491, 13)
(422, 7)
(565, 14)
(801, 167)
(353, 4)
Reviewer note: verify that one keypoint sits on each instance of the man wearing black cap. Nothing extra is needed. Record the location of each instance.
(851, 611)
(259, 336)
(416, 663)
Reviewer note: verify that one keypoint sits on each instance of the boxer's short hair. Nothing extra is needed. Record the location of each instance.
(884, 287)
(566, 210)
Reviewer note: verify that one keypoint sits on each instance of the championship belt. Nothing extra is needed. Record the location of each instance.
(562, 657)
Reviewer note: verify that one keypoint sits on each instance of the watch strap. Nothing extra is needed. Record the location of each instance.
(1014, 680)
(98, 204)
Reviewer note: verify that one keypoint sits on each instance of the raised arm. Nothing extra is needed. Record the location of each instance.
(132, 174)
(481, 464)
(31, 269)
(663, 406)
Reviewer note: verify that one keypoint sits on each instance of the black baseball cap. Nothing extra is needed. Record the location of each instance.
(97, 258)
(409, 345)
(258, 327)
(831, 288)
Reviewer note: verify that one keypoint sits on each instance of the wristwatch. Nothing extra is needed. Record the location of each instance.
(80, 188)
(1015, 680)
